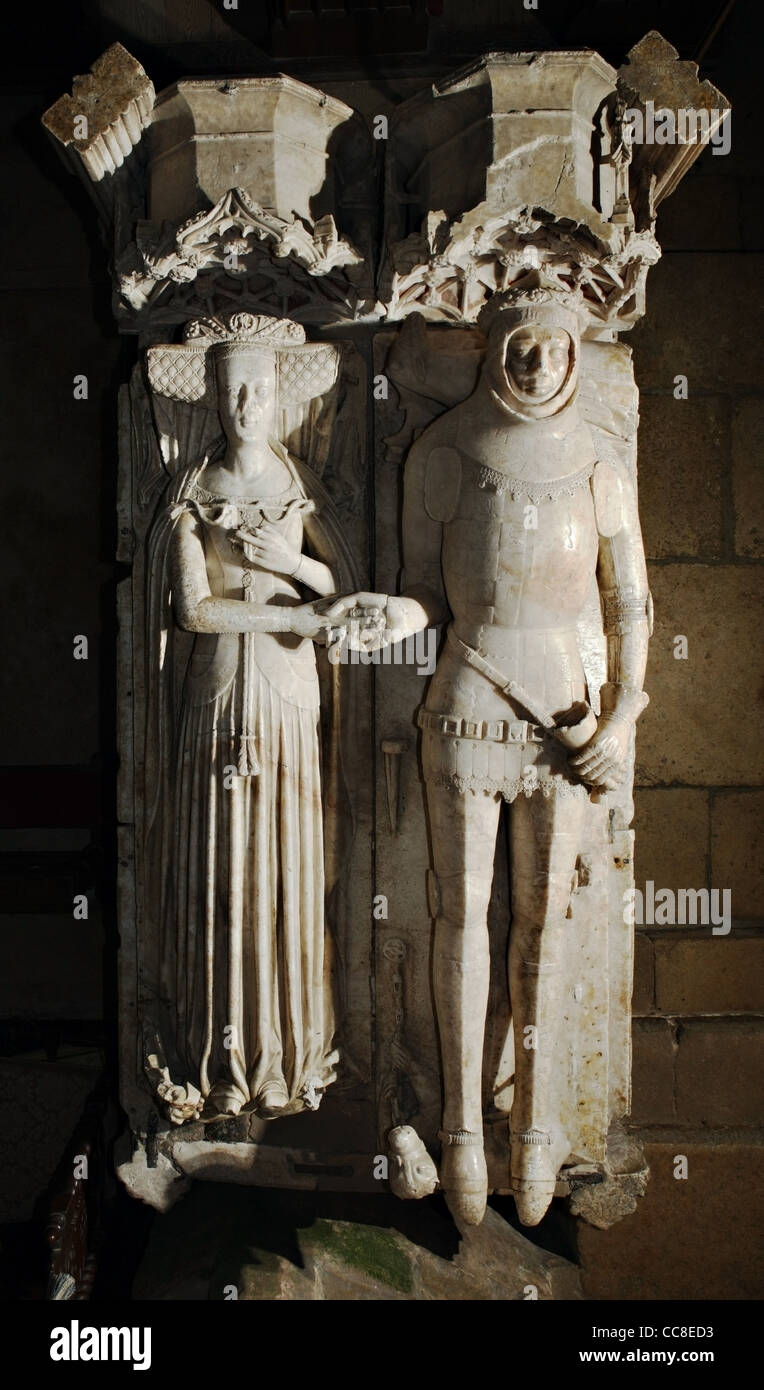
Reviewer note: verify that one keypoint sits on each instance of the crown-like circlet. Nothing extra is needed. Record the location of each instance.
(243, 330)
(534, 298)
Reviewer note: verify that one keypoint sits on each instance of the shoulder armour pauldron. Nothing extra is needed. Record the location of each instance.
(442, 483)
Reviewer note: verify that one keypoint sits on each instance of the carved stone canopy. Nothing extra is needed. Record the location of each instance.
(263, 191)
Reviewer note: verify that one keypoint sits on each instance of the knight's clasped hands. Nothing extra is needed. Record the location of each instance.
(361, 620)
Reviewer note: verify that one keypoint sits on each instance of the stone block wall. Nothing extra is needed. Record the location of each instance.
(699, 997)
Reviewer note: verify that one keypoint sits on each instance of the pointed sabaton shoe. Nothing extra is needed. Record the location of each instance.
(463, 1175)
(534, 1177)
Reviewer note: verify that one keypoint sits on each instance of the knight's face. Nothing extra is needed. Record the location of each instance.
(246, 396)
(537, 361)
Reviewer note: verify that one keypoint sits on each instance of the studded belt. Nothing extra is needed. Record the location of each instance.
(496, 730)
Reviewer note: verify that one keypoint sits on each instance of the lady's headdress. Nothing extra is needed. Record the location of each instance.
(186, 371)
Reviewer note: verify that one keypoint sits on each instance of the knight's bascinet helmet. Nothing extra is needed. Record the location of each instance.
(534, 301)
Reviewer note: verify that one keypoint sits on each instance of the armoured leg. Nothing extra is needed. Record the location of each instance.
(545, 839)
(463, 830)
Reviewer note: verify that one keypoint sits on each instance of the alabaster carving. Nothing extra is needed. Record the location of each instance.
(654, 75)
(546, 189)
(301, 151)
(233, 851)
(250, 194)
(412, 1173)
(510, 515)
(317, 897)
(236, 239)
(519, 160)
(104, 118)
(433, 372)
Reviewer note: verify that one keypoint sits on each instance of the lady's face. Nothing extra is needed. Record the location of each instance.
(537, 361)
(246, 385)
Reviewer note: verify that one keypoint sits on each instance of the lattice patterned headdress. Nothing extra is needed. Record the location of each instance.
(186, 372)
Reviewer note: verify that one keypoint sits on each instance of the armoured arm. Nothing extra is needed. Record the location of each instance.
(423, 600)
(622, 579)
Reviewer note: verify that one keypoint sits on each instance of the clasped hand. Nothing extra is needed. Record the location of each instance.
(359, 619)
(602, 762)
(362, 620)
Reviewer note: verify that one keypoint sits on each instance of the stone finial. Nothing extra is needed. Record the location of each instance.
(103, 119)
(655, 81)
